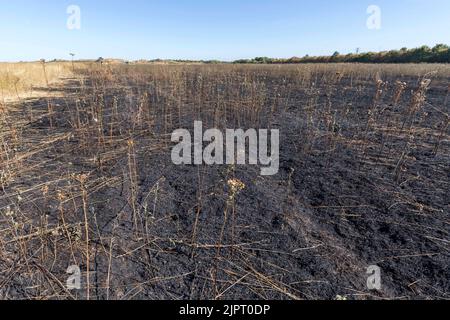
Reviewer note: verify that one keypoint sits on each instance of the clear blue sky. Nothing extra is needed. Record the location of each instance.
(215, 29)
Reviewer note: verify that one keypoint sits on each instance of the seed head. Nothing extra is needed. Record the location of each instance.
(236, 185)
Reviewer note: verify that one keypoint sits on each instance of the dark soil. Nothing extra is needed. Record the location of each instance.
(344, 198)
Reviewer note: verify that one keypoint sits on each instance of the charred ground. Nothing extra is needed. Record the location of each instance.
(87, 180)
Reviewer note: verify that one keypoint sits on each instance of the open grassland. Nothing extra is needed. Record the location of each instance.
(86, 179)
(28, 79)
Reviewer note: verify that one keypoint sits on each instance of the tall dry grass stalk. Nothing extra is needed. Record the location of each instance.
(82, 180)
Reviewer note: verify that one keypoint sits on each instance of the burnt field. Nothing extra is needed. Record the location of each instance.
(87, 180)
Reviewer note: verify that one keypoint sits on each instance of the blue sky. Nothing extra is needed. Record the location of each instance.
(215, 29)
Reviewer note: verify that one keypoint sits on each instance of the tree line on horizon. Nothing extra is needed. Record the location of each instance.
(424, 54)
(440, 53)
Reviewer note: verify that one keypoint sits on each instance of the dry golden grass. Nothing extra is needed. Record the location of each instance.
(27, 79)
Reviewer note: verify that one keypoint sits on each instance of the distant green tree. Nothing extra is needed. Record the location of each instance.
(440, 48)
(438, 54)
